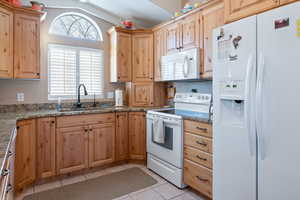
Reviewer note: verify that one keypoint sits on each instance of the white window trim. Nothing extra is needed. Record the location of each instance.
(73, 97)
(75, 38)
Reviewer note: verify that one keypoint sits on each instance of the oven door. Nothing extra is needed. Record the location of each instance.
(171, 150)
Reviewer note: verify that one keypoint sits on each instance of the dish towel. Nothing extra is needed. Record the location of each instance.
(158, 131)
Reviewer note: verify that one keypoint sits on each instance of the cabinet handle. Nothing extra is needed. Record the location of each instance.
(86, 130)
(200, 158)
(18, 127)
(52, 122)
(38, 74)
(202, 179)
(201, 129)
(91, 129)
(201, 143)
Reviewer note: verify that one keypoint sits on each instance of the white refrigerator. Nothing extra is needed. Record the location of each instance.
(256, 91)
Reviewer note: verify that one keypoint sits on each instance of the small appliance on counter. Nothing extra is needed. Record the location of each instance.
(119, 97)
(165, 134)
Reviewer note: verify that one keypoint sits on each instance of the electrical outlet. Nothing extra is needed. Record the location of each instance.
(20, 96)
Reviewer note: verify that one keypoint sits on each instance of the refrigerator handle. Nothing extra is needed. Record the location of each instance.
(259, 102)
(248, 104)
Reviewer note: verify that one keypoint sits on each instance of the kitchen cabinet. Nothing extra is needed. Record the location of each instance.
(6, 43)
(238, 9)
(72, 149)
(190, 32)
(212, 17)
(46, 145)
(160, 49)
(122, 143)
(120, 55)
(26, 46)
(25, 156)
(101, 144)
(146, 94)
(137, 135)
(173, 37)
(84, 141)
(142, 57)
(198, 157)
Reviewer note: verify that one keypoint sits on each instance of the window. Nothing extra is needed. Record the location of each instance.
(70, 66)
(77, 26)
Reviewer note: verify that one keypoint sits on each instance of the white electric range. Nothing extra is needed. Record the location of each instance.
(166, 159)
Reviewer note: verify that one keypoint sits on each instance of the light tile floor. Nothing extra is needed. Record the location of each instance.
(160, 191)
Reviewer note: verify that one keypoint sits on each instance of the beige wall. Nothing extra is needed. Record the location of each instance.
(36, 91)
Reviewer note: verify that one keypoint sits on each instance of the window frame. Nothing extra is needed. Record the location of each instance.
(76, 38)
(77, 50)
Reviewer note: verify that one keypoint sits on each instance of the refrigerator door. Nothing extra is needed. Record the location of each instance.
(234, 144)
(279, 105)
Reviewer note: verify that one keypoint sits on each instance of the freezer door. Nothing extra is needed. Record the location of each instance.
(234, 144)
(278, 104)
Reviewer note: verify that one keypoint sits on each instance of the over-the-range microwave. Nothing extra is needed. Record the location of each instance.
(181, 66)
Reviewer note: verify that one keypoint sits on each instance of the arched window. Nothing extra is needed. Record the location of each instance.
(68, 65)
(77, 26)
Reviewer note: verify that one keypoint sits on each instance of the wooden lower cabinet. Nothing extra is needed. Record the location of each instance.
(137, 135)
(198, 177)
(72, 149)
(122, 137)
(101, 144)
(46, 145)
(25, 156)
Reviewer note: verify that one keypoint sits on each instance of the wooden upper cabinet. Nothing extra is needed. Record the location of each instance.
(142, 94)
(137, 135)
(173, 37)
(237, 9)
(212, 17)
(25, 156)
(142, 49)
(190, 30)
(122, 136)
(160, 49)
(6, 43)
(72, 149)
(120, 56)
(46, 145)
(27, 46)
(101, 144)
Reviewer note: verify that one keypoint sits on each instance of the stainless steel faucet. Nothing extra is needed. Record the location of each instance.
(78, 104)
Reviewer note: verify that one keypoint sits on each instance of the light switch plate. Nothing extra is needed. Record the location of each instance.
(20, 96)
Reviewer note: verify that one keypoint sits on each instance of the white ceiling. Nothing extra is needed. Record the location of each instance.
(145, 13)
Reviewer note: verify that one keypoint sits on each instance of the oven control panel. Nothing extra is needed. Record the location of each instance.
(193, 98)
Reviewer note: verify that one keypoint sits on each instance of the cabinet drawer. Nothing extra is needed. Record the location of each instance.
(198, 177)
(198, 156)
(201, 143)
(80, 120)
(198, 128)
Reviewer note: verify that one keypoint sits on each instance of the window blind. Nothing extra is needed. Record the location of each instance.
(70, 66)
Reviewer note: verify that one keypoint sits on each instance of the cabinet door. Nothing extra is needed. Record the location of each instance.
(72, 149)
(213, 17)
(25, 157)
(237, 9)
(137, 136)
(101, 144)
(142, 47)
(124, 63)
(190, 28)
(27, 47)
(141, 94)
(45, 147)
(160, 46)
(6, 43)
(173, 37)
(122, 136)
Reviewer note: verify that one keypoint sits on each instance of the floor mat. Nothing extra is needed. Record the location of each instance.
(105, 187)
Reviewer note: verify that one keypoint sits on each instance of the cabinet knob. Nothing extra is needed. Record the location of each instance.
(38, 74)
(52, 122)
